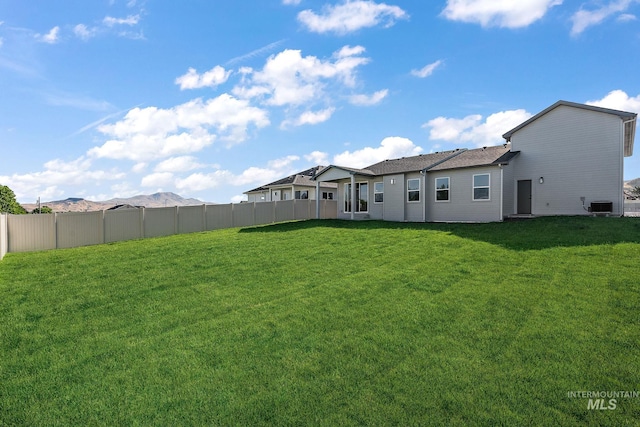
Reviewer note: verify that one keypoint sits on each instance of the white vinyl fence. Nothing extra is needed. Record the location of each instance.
(25, 233)
(632, 208)
(3, 235)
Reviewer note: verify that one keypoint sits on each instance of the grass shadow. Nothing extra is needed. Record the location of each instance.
(531, 234)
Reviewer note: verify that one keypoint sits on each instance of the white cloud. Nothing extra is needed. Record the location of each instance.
(351, 16)
(84, 32)
(626, 17)
(178, 164)
(492, 13)
(288, 78)
(212, 78)
(57, 173)
(139, 167)
(152, 133)
(130, 20)
(310, 118)
(472, 129)
(157, 180)
(427, 70)
(618, 100)
(253, 175)
(368, 100)
(317, 158)
(390, 148)
(583, 19)
(51, 37)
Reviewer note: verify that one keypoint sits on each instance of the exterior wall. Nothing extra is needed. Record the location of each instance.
(394, 198)
(414, 211)
(461, 207)
(508, 191)
(578, 153)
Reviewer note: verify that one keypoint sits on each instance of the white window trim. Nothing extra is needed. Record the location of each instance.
(435, 195)
(419, 190)
(378, 192)
(357, 201)
(473, 187)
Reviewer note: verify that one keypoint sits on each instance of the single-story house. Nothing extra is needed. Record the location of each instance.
(565, 160)
(297, 186)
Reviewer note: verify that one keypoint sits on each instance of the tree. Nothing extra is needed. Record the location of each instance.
(44, 210)
(636, 191)
(8, 202)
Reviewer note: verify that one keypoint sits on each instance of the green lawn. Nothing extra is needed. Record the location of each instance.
(328, 323)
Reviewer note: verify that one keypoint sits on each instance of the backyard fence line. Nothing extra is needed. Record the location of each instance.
(26, 233)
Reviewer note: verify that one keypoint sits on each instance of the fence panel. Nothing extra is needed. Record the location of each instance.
(160, 221)
(191, 219)
(243, 214)
(219, 216)
(79, 229)
(302, 209)
(23, 233)
(26, 233)
(264, 213)
(284, 210)
(4, 245)
(328, 209)
(123, 224)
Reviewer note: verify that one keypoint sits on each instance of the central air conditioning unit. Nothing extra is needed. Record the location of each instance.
(601, 207)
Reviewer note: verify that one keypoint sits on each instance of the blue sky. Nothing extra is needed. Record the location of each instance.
(208, 99)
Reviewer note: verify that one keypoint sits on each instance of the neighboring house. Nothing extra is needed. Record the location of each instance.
(566, 160)
(297, 186)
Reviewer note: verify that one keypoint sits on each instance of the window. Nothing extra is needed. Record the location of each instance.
(481, 186)
(302, 194)
(327, 195)
(378, 192)
(413, 190)
(442, 189)
(362, 197)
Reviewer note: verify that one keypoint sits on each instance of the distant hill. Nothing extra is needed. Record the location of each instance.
(156, 200)
(632, 183)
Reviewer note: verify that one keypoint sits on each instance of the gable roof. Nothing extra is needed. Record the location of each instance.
(303, 178)
(628, 118)
(486, 156)
(401, 165)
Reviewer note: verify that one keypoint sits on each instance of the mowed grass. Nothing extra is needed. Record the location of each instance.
(328, 323)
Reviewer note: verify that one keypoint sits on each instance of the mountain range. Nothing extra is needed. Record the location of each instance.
(156, 200)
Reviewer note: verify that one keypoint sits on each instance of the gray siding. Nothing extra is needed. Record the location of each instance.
(414, 211)
(461, 207)
(394, 198)
(578, 153)
(508, 192)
